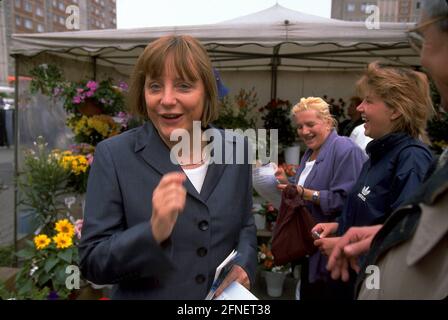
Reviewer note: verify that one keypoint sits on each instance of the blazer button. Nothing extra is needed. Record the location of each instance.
(203, 225)
(200, 278)
(201, 252)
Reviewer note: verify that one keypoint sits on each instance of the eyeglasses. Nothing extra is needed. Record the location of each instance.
(415, 36)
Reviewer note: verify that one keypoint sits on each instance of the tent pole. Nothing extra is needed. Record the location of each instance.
(16, 147)
(274, 67)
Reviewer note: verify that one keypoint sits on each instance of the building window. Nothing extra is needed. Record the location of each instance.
(365, 5)
(114, 21)
(39, 12)
(61, 6)
(17, 2)
(417, 6)
(351, 7)
(40, 28)
(28, 6)
(28, 24)
(102, 26)
(18, 21)
(62, 20)
(55, 3)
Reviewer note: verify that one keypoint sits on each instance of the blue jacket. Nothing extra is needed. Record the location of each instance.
(396, 169)
(334, 173)
(117, 245)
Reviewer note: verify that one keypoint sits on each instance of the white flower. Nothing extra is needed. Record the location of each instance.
(33, 270)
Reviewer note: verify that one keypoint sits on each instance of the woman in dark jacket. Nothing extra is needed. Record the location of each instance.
(396, 108)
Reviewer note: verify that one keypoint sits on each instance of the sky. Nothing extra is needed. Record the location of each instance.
(158, 13)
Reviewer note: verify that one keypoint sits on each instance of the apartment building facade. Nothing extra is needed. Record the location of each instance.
(389, 10)
(31, 16)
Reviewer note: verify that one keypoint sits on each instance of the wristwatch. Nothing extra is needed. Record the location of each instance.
(315, 196)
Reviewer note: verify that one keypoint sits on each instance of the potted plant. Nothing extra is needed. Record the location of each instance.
(239, 112)
(277, 116)
(95, 109)
(275, 275)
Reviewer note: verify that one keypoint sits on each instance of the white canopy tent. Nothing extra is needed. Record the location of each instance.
(274, 39)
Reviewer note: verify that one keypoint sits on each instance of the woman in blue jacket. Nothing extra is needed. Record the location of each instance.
(396, 108)
(328, 170)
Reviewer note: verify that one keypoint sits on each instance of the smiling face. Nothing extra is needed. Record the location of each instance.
(312, 129)
(173, 103)
(377, 115)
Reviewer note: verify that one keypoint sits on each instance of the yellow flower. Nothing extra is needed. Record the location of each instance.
(65, 227)
(63, 240)
(41, 241)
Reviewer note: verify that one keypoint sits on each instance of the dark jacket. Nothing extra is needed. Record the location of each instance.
(117, 245)
(396, 169)
(402, 224)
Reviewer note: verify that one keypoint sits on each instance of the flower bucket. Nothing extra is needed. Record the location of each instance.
(274, 283)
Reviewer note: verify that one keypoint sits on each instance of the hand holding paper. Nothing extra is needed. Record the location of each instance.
(265, 183)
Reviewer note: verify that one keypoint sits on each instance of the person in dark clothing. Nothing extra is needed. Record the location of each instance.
(396, 107)
(409, 250)
(346, 127)
(3, 133)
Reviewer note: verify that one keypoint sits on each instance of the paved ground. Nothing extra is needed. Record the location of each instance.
(6, 196)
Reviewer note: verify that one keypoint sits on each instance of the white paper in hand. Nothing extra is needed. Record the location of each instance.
(265, 183)
(236, 291)
(219, 275)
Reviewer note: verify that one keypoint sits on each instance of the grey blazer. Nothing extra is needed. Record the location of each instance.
(117, 246)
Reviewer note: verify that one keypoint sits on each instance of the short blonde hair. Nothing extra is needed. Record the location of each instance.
(404, 90)
(317, 104)
(188, 58)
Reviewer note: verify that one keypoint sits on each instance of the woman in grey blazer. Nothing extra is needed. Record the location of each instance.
(157, 224)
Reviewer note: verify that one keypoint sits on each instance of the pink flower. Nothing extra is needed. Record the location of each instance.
(78, 227)
(92, 85)
(57, 91)
(89, 158)
(77, 99)
(79, 90)
(89, 93)
(123, 85)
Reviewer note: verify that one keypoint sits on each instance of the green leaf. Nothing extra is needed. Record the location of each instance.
(66, 255)
(27, 253)
(59, 277)
(26, 287)
(50, 263)
(43, 278)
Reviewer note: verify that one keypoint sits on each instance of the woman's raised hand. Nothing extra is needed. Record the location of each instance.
(168, 201)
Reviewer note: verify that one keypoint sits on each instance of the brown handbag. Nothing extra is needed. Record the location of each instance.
(292, 238)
